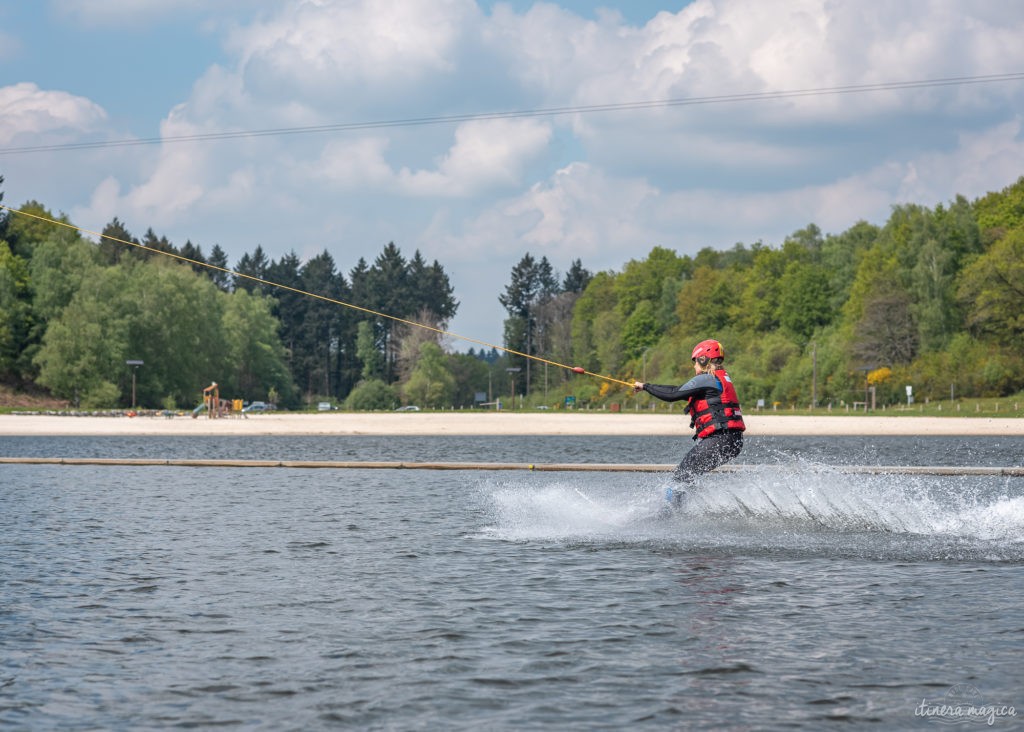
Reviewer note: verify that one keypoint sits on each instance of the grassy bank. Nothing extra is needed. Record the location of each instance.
(1002, 407)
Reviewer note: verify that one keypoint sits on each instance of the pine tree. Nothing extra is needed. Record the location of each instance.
(217, 272)
(113, 248)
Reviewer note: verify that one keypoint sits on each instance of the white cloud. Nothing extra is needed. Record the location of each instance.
(582, 211)
(486, 154)
(336, 46)
(352, 163)
(577, 212)
(104, 203)
(34, 116)
(605, 187)
(983, 161)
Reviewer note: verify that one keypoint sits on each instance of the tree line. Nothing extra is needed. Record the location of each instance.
(72, 313)
(930, 299)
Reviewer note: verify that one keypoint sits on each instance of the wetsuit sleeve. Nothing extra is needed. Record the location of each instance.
(699, 384)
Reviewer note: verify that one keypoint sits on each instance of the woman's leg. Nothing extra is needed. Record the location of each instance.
(707, 455)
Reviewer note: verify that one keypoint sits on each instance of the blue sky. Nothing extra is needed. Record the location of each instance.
(478, 194)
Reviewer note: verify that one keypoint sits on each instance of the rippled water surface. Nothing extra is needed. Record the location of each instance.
(791, 595)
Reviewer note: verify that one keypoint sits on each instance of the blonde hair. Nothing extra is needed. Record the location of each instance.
(708, 365)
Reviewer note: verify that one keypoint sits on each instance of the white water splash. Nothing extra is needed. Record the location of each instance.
(564, 509)
(795, 506)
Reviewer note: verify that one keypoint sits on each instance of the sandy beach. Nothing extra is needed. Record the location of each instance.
(490, 423)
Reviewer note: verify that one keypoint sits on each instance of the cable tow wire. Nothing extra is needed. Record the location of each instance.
(525, 113)
(324, 298)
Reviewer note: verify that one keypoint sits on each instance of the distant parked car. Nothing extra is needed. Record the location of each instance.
(259, 407)
(410, 408)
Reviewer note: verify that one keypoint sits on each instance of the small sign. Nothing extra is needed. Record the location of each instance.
(570, 401)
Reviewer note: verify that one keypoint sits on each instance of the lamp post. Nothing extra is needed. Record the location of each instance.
(512, 371)
(134, 363)
(814, 375)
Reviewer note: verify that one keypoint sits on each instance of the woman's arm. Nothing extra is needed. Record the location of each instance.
(699, 384)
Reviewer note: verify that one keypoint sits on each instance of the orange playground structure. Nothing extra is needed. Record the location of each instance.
(215, 406)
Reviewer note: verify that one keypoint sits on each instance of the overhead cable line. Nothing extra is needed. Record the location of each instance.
(524, 113)
(299, 291)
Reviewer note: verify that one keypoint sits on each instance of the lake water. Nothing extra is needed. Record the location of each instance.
(787, 595)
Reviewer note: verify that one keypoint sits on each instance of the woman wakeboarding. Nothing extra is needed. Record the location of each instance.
(715, 416)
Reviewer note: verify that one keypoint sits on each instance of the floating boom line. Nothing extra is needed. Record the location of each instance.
(1011, 472)
(306, 293)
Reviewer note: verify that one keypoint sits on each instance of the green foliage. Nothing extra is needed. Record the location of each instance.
(116, 243)
(640, 330)
(703, 302)
(643, 280)
(804, 300)
(61, 263)
(187, 332)
(528, 301)
(175, 326)
(15, 312)
(255, 356)
(73, 312)
(471, 375)
(966, 366)
(400, 288)
(577, 278)
(998, 213)
(370, 395)
(368, 352)
(608, 329)
(756, 305)
(85, 348)
(23, 231)
(598, 297)
(841, 255)
(932, 298)
(430, 384)
(101, 395)
(992, 291)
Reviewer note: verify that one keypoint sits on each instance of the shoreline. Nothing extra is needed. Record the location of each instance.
(495, 423)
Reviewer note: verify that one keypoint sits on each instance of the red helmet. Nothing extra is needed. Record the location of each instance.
(708, 349)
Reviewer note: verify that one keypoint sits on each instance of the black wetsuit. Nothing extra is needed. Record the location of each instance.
(716, 448)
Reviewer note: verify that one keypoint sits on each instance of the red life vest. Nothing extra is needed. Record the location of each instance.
(716, 412)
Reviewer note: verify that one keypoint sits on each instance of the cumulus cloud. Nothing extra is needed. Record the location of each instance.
(980, 162)
(578, 212)
(486, 154)
(334, 47)
(309, 61)
(603, 186)
(37, 115)
(349, 164)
